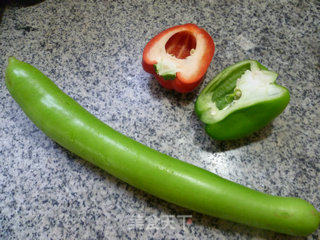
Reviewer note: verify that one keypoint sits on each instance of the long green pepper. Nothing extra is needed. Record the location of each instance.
(67, 123)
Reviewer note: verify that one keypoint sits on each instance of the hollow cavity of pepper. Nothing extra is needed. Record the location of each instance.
(181, 45)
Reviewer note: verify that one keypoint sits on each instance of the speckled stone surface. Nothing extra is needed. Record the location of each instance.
(92, 50)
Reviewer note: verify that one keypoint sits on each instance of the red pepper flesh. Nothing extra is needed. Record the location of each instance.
(179, 57)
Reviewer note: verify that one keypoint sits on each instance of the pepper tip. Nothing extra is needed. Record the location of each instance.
(11, 59)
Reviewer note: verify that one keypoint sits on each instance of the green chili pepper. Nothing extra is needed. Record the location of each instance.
(240, 100)
(67, 123)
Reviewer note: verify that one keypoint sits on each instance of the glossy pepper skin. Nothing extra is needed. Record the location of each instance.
(230, 112)
(66, 122)
(179, 57)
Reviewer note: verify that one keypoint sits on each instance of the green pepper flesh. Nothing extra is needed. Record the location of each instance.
(240, 100)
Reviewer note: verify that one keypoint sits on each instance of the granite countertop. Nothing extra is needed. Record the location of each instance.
(92, 50)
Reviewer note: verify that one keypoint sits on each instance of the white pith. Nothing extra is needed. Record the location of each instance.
(172, 64)
(166, 67)
(255, 85)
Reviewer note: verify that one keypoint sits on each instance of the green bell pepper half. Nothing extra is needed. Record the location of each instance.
(240, 100)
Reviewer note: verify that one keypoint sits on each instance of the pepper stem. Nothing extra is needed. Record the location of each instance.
(167, 70)
(222, 102)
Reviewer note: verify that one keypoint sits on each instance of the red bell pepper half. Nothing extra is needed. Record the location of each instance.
(179, 57)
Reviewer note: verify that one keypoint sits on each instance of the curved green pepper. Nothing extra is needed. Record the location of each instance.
(240, 100)
(67, 123)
